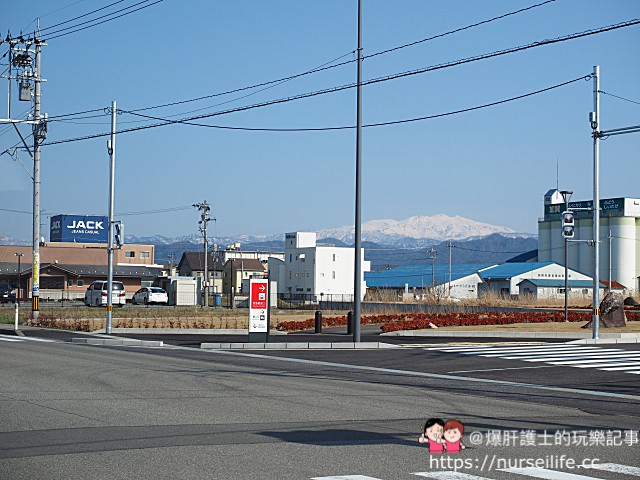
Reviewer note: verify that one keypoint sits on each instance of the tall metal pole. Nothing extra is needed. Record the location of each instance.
(610, 237)
(111, 145)
(38, 135)
(595, 125)
(566, 195)
(357, 287)
(449, 286)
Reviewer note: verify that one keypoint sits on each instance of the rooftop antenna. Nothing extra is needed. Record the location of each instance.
(557, 175)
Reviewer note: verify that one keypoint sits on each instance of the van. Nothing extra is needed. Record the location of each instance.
(96, 294)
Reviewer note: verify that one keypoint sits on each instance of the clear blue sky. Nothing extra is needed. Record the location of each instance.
(492, 165)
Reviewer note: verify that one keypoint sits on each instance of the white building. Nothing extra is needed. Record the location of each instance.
(317, 270)
(619, 238)
(506, 279)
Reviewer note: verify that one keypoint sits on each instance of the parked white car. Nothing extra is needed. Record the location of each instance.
(148, 295)
(96, 294)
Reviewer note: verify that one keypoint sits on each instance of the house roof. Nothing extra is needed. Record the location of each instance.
(195, 261)
(133, 271)
(249, 264)
(530, 256)
(558, 282)
(510, 270)
(420, 275)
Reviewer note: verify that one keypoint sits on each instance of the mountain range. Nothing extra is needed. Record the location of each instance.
(413, 232)
(388, 243)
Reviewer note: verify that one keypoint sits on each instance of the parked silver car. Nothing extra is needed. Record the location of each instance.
(96, 294)
(148, 295)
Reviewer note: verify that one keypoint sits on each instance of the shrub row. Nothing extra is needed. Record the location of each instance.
(416, 321)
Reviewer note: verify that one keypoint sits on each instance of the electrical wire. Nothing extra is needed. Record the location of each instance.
(161, 210)
(395, 122)
(328, 66)
(621, 98)
(81, 16)
(457, 30)
(108, 19)
(291, 77)
(370, 82)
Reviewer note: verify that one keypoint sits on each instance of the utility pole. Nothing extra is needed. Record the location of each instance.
(111, 147)
(25, 56)
(204, 219)
(432, 256)
(594, 118)
(357, 287)
(39, 131)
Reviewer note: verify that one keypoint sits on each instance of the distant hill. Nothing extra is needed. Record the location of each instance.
(494, 248)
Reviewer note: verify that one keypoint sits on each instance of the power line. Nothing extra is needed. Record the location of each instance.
(369, 82)
(81, 16)
(325, 66)
(395, 122)
(457, 30)
(107, 20)
(621, 98)
(329, 66)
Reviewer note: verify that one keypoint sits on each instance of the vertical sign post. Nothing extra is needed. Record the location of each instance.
(258, 310)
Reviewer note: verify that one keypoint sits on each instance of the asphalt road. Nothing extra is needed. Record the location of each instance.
(73, 411)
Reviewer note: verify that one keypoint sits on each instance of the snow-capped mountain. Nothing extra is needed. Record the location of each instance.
(417, 231)
(431, 228)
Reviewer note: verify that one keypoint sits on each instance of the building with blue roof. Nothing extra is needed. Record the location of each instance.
(505, 279)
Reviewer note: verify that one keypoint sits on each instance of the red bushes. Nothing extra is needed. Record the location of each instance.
(416, 321)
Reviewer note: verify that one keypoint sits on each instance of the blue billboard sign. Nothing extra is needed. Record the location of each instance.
(79, 229)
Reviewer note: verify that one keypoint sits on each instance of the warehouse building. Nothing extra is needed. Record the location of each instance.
(619, 238)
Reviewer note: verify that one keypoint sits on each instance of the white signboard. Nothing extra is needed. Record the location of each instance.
(258, 305)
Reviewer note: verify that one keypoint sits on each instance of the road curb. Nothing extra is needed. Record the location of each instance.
(118, 342)
(298, 346)
(577, 336)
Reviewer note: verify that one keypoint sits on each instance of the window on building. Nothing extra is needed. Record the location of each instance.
(333, 275)
(70, 282)
(289, 275)
(334, 257)
(79, 283)
(145, 254)
(129, 254)
(290, 258)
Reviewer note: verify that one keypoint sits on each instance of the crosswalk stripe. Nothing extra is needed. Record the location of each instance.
(577, 353)
(448, 475)
(533, 351)
(508, 349)
(616, 468)
(546, 474)
(621, 366)
(566, 355)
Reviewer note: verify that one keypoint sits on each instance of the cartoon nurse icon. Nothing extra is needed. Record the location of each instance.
(432, 434)
(453, 430)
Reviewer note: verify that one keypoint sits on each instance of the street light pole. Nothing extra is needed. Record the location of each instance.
(357, 288)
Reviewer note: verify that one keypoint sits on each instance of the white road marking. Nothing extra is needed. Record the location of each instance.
(616, 468)
(9, 339)
(414, 373)
(546, 474)
(567, 355)
(448, 475)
